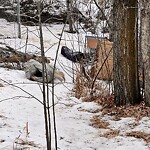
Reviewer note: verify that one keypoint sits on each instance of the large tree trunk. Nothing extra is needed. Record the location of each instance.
(126, 85)
(145, 45)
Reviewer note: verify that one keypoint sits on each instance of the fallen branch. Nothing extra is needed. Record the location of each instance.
(10, 55)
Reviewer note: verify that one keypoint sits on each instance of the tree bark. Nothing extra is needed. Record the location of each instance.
(145, 45)
(126, 84)
(70, 19)
(18, 19)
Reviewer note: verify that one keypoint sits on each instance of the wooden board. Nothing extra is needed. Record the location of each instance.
(104, 53)
(92, 41)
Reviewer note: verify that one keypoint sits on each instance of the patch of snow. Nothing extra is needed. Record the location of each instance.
(21, 103)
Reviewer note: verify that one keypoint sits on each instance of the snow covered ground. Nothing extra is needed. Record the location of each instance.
(21, 113)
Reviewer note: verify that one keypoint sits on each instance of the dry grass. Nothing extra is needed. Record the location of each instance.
(98, 123)
(110, 134)
(81, 87)
(108, 108)
(137, 111)
(26, 143)
(141, 135)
